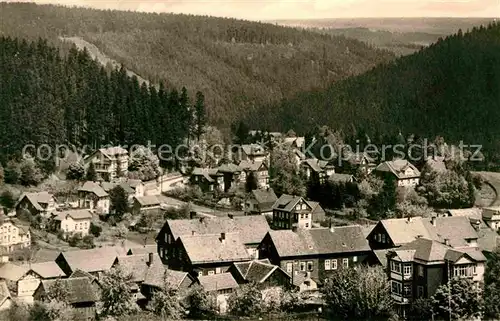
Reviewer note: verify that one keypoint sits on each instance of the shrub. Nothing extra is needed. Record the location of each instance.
(95, 229)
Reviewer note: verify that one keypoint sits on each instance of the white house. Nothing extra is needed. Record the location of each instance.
(109, 163)
(73, 221)
(14, 235)
(92, 196)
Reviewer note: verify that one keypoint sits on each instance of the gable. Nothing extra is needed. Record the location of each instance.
(464, 260)
(379, 229)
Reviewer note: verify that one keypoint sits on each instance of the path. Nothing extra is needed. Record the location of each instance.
(493, 180)
(95, 53)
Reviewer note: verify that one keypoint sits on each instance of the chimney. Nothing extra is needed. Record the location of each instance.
(223, 237)
(150, 259)
(447, 242)
(433, 221)
(192, 214)
(202, 219)
(410, 219)
(193, 233)
(231, 216)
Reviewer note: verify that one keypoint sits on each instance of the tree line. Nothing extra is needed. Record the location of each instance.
(48, 98)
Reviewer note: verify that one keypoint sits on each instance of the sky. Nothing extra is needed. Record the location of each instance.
(300, 9)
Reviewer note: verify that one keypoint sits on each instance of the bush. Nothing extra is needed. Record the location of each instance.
(7, 199)
(30, 173)
(12, 172)
(95, 230)
(76, 171)
(75, 239)
(246, 301)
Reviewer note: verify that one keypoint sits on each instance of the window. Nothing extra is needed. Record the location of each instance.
(304, 207)
(383, 238)
(407, 290)
(420, 270)
(396, 288)
(301, 216)
(169, 238)
(420, 291)
(327, 265)
(297, 207)
(211, 272)
(474, 270)
(395, 267)
(345, 263)
(309, 266)
(289, 267)
(407, 269)
(355, 259)
(302, 266)
(200, 273)
(307, 224)
(217, 270)
(463, 270)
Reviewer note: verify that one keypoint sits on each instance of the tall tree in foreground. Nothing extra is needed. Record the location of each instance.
(461, 298)
(199, 114)
(91, 173)
(359, 294)
(492, 286)
(117, 297)
(119, 202)
(165, 302)
(284, 175)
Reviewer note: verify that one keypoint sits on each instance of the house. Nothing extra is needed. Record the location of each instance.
(319, 251)
(259, 169)
(137, 185)
(260, 272)
(92, 196)
(396, 232)
(295, 142)
(253, 153)
(72, 221)
(231, 173)
(208, 254)
(108, 186)
(353, 162)
(26, 278)
(341, 178)
(317, 170)
(156, 276)
(145, 203)
(304, 282)
(251, 230)
(290, 210)
(401, 171)
(222, 285)
(93, 281)
(14, 234)
(109, 163)
(208, 179)
(5, 297)
(260, 202)
(81, 296)
(42, 203)
(491, 216)
(93, 261)
(418, 268)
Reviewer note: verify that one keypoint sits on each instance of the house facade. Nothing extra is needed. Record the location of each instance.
(208, 179)
(259, 169)
(416, 270)
(109, 163)
(250, 230)
(491, 216)
(231, 173)
(72, 221)
(317, 170)
(318, 251)
(92, 196)
(42, 203)
(401, 171)
(14, 235)
(291, 210)
(253, 153)
(145, 203)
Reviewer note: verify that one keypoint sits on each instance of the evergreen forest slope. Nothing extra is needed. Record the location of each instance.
(238, 65)
(451, 88)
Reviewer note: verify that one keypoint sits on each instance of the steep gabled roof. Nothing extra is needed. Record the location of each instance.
(212, 248)
(257, 270)
(253, 150)
(398, 167)
(80, 289)
(455, 229)
(148, 200)
(403, 230)
(136, 265)
(251, 229)
(247, 165)
(92, 187)
(111, 152)
(46, 270)
(229, 168)
(78, 214)
(157, 274)
(286, 202)
(265, 198)
(93, 260)
(221, 281)
(339, 239)
(38, 198)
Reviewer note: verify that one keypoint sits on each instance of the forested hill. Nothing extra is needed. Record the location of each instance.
(237, 64)
(450, 89)
(51, 99)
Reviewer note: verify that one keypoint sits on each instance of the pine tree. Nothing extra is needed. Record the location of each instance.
(200, 114)
(91, 173)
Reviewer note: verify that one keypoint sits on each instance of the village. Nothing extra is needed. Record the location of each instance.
(269, 241)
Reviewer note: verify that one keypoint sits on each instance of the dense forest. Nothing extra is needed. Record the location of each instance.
(238, 65)
(51, 99)
(451, 89)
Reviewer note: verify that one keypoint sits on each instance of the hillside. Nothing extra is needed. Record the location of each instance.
(402, 36)
(450, 89)
(237, 64)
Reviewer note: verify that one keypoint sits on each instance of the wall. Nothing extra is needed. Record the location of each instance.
(26, 287)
